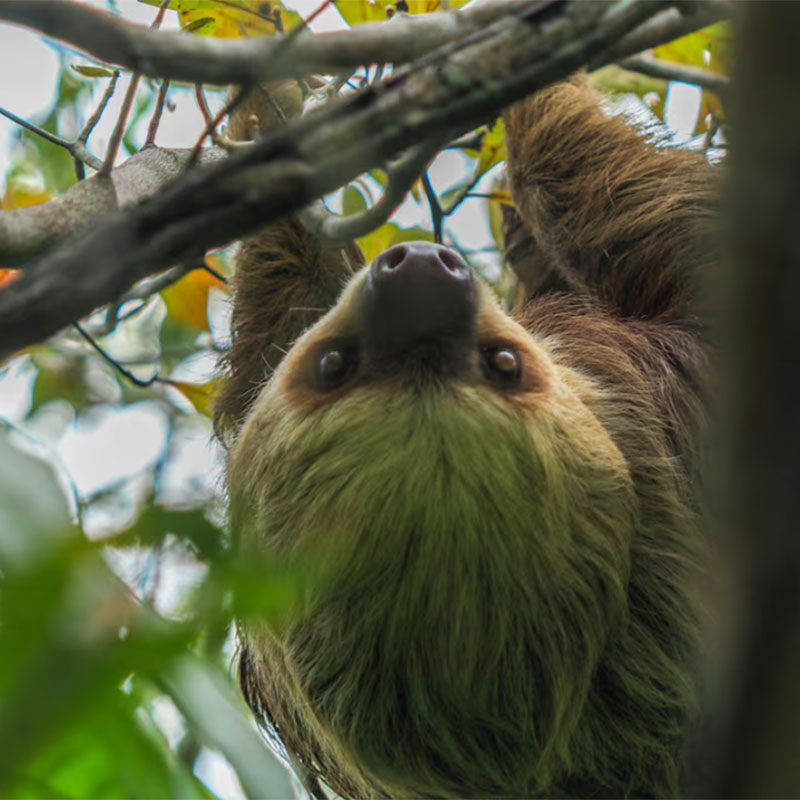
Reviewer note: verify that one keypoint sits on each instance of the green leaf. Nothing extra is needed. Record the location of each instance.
(453, 195)
(412, 234)
(70, 632)
(155, 523)
(379, 175)
(714, 40)
(196, 24)
(90, 71)
(112, 752)
(493, 148)
(375, 242)
(353, 201)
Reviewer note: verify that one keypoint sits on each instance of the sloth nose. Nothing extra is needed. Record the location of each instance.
(417, 292)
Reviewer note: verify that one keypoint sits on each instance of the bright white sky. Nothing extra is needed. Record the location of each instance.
(111, 444)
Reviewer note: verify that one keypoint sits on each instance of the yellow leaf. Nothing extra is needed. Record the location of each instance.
(709, 48)
(355, 12)
(24, 189)
(375, 242)
(233, 19)
(187, 299)
(493, 148)
(200, 395)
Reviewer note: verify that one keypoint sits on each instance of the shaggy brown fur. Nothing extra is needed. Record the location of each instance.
(285, 279)
(500, 596)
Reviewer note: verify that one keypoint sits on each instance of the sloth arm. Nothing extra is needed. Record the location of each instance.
(284, 278)
(607, 211)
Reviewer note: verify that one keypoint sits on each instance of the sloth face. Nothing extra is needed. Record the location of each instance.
(466, 520)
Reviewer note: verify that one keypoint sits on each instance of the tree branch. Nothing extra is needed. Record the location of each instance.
(664, 27)
(402, 174)
(76, 149)
(28, 232)
(201, 59)
(437, 215)
(655, 68)
(447, 93)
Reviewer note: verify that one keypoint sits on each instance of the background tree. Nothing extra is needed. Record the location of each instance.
(112, 293)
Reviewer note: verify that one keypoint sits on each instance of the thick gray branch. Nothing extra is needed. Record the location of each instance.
(664, 27)
(27, 232)
(447, 93)
(202, 59)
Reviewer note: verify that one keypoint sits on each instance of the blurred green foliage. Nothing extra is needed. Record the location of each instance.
(84, 659)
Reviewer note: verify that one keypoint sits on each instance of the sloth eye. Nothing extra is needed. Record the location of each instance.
(334, 366)
(502, 366)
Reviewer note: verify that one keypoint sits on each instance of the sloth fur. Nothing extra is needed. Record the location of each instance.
(501, 594)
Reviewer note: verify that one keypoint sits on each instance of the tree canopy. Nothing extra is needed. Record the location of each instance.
(117, 594)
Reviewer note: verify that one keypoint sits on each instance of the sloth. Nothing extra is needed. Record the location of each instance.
(497, 514)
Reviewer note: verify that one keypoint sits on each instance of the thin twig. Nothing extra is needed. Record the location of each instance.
(144, 290)
(119, 128)
(75, 149)
(401, 176)
(314, 14)
(465, 192)
(211, 271)
(83, 136)
(211, 127)
(656, 68)
(160, 15)
(127, 103)
(155, 120)
(50, 137)
(80, 152)
(200, 96)
(156, 378)
(437, 215)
